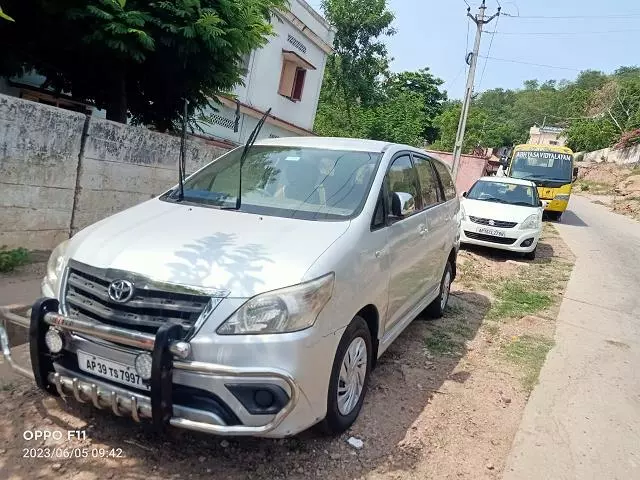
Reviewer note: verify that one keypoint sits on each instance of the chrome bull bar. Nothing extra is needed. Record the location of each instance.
(164, 347)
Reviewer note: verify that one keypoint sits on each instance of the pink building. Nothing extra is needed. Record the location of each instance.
(471, 168)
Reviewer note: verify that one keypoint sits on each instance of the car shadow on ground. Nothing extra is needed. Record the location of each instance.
(408, 376)
(570, 218)
(544, 252)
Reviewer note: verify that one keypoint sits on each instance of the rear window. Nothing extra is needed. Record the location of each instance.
(447, 181)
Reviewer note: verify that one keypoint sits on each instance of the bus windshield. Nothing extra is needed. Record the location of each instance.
(541, 165)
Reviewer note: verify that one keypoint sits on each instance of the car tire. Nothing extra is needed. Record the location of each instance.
(531, 255)
(341, 411)
(555, 216)
(437, 307)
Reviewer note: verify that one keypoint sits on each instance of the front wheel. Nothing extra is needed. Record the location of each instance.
(531, 255)
(555, 216)
(437, 307)
(349, 377)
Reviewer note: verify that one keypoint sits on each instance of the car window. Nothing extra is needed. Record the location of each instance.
(446, 180)
(429, 186)
(402, 178)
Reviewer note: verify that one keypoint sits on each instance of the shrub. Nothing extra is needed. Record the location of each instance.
(10, 259)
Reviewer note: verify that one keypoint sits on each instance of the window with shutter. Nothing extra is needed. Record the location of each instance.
(293, 75)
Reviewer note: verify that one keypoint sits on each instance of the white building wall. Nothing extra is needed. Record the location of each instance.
(264, 78)
(224, 128)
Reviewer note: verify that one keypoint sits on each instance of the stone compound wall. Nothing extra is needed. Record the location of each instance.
(39, 149)
(61, 171)
(623, 156)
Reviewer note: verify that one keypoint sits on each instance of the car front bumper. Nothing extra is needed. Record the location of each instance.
(471, 232)
(288, 363)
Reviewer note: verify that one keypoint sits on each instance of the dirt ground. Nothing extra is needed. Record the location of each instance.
(613, 185)
(444, 401)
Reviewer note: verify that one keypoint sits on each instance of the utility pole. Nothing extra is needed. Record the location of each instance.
(472, 60)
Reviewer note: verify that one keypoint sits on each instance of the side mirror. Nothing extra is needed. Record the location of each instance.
(540, 204)
(575, 174)
(464, 194)
(402, 204)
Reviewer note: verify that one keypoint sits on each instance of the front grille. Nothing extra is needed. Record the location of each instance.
(496, 223)
(86, 296)
(489, 238)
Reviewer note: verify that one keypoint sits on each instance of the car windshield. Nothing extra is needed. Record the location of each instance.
(502, 192)
(291, 182)
(540, 165)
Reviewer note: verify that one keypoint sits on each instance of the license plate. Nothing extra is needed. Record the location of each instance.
(114, 371)
(491, 231)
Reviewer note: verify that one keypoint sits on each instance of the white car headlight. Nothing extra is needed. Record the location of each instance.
(55, 265)
(463, 213)
(281, 311)
(531, 222)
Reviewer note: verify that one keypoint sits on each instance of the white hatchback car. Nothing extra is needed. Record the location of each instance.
(504, 213)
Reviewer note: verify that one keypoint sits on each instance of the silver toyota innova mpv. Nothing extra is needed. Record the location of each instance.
(255, 298)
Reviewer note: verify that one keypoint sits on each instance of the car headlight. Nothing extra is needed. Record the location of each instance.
(562, 196)
(281, 311)
(55, 265)
(532, 221)
(463, 213)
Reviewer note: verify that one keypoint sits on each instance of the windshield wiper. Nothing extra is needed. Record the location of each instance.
(493, 199)
(250, 141)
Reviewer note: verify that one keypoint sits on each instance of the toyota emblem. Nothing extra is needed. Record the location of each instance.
(120, 291)
(492, 223)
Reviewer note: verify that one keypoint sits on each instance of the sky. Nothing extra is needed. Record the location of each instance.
(433, 33)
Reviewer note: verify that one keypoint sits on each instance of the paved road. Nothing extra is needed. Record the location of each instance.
(583, 419)
(22, 290)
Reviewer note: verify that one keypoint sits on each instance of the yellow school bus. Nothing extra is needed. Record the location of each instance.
(551, 168)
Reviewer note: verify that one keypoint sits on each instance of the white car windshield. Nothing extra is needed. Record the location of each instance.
(502, 192)
(291, 182)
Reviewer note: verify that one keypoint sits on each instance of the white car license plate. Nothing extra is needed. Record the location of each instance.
(114, 371)
(491, 231)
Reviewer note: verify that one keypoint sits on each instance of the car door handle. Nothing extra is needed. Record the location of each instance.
(422, 230)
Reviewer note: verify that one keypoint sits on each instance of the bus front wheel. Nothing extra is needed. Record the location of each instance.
(555, 216)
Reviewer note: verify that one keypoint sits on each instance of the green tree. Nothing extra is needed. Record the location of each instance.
(6, 17)
(135, 57)
(399, 119)
(596, 109)
(588, 135)
(427, 87)
(360, 58)
(447, 124)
